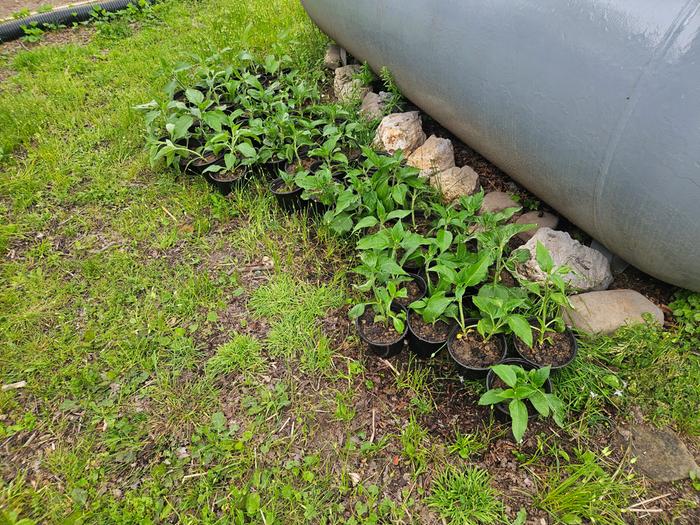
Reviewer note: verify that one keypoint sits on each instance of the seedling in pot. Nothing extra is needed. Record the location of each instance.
(319, 186)
(524, 387)
(458, 217)
(493, 237)
(378, 269)
(330, 152)
(395, 241)
(429, 323)
(554, 344)
(381, 323)
(498, 307)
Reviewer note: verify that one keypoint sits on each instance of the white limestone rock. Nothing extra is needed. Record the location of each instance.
(400, 131)
(590, 268)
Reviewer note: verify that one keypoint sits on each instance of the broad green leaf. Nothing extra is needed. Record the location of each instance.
(544, 259)
(523, 391)
(539, 401)
(399, 194)
(506, 373)
(474, 273)
(373, 242)
(521, 328)
(399, 325)
(397, 214)
(436, 307)
(444, 239)
(539, 376)
(195, 96)
(392, 267)
(492, 397)
(518, 416)
(247, 150)
(341, 223)
(356, 311)
(366, 222)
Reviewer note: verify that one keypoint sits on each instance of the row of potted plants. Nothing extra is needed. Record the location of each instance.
(457, 286)
(229, 124)
(437, 276)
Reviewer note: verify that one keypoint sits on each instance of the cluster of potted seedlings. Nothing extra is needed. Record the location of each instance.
(432, 276)
(230, 124)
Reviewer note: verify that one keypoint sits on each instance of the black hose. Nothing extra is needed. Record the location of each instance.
(65, 16)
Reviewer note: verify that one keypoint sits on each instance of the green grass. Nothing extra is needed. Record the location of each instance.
(241, 355)
(465, 497)
(168, 381)
(583, 491)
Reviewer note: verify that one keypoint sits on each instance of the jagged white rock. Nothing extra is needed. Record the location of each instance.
(399, 131)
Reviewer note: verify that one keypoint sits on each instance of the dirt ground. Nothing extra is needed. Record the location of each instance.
(10, 7)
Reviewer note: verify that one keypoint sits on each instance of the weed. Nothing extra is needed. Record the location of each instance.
(344, 410)
(418, 381)
(242, 354)
(414, 440)
(467, 445)
(270, 401)
(465, 497)
(584, 490)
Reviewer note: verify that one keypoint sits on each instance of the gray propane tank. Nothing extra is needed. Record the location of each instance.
(593, 105)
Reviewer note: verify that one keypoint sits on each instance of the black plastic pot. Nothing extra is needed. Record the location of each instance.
(422, 347)
(422, 287)
(288, 200)
(224, 184)
(273, 167)
(312, 167)
(518, 344)
(467, 370)
(389, 349)
(501, 409)
(316, 207)
(415, 268)
(198, 166)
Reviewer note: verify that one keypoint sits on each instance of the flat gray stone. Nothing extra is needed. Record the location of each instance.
(496, 201)
(345, 86)
(332, 58)
(590, 270)
(606, 311)
(661, 455)
(541, 219)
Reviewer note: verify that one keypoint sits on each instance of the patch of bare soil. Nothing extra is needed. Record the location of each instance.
(556, 350)
(8, 8)
(475, 352)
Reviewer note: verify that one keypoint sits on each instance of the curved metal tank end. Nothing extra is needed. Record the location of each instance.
(593, 105)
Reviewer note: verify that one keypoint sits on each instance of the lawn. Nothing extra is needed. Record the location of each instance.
(188, 357)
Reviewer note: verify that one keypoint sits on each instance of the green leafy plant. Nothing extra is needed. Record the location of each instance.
(378, 268)
(550, 296)
(463, 280)
(498, 307)
(318, 185)
(524, 386)
(384, 297)
(493, 236)
(32, 33)
(434, 308)
(686, 310)
(396, 102)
